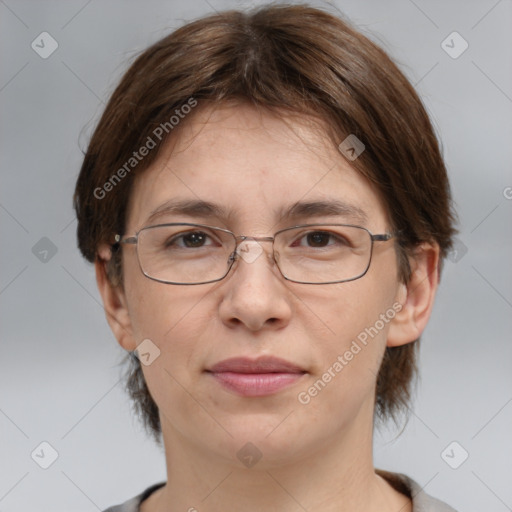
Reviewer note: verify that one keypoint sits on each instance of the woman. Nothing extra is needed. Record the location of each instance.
(268, 210)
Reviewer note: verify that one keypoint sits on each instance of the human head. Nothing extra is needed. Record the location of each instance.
(293, 59)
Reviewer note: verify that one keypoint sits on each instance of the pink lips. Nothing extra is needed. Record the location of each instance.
(256, 377)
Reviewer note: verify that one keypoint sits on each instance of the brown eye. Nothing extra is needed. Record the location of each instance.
(196, 239)
(318, 239)
(190, 240)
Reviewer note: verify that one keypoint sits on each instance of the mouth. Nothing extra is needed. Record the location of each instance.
(256, 377)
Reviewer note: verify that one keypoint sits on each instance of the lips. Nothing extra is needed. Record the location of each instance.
(256, 377)
(265, 364)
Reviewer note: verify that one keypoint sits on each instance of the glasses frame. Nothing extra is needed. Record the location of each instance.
(234, 256)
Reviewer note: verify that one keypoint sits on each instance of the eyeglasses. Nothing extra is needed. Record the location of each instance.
(183, 253)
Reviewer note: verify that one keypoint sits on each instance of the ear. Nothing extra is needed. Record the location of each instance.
(114, 301)
(416, 296)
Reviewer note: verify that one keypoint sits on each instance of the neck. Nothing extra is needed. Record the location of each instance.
(337, 476)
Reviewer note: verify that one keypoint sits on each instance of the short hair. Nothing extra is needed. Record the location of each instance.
(281, 58)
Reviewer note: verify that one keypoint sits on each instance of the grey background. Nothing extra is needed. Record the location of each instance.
(59, 379)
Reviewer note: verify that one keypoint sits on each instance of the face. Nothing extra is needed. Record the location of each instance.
(255, 167)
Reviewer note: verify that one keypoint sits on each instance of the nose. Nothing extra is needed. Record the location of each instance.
(255, 294)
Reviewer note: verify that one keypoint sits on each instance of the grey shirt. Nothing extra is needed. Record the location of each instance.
(421, 502)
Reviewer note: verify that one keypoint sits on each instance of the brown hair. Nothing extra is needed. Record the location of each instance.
(292, 58)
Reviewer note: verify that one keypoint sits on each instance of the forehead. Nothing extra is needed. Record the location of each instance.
(254, 166)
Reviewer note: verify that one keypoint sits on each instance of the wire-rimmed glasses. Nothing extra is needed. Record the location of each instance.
(186, 254)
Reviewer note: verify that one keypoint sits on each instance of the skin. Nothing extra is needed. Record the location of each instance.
(316, 456)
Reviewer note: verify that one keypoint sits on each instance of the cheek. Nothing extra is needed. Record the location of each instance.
(156, 309)
(172, 318)
(358, 315)
(349, 310)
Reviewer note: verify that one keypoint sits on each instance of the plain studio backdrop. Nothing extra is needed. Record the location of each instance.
(59, 375)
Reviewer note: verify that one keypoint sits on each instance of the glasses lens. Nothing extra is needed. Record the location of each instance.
(323, 253)
(184, 254)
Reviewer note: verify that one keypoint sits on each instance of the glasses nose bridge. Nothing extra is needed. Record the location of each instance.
(240, 239)
(243, 238)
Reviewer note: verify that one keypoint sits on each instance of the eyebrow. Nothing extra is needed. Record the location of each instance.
(190, 207)
(326, 208)
(197, 208)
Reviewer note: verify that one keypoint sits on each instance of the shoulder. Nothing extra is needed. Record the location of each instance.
(421, 501)
(133, 504)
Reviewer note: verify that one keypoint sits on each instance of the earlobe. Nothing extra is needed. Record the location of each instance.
(416, 296)
(114, 302)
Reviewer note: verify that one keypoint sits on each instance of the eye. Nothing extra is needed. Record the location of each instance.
(190, 240)
(319, 239)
